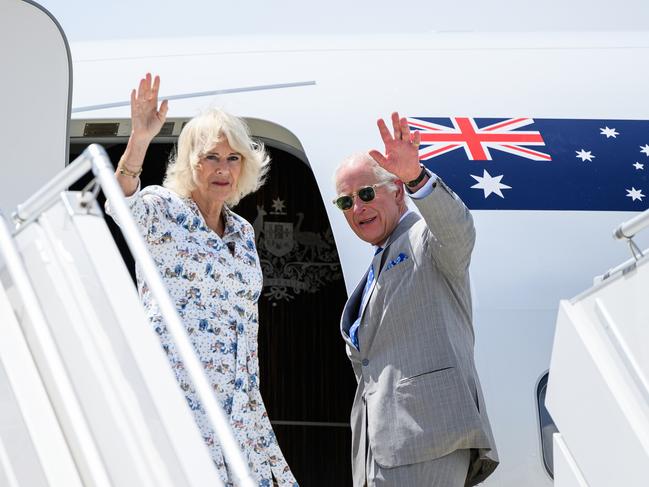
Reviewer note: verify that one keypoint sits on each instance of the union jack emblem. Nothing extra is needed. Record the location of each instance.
(476, 141)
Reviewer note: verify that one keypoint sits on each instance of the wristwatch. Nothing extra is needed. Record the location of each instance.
(418, 179)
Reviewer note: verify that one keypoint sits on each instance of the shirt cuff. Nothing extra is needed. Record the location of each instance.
(427, 188)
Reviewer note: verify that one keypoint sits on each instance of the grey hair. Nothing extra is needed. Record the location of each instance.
(382, 175)
(198, 136)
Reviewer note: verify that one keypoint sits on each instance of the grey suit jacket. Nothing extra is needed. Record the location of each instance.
(418, 395)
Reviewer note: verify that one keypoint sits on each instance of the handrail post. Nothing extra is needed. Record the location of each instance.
(36, 203)
(631, 227)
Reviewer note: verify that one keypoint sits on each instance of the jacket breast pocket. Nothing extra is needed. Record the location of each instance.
(435, 413)
(397, 268)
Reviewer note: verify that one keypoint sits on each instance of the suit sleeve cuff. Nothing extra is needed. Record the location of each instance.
(427, 188)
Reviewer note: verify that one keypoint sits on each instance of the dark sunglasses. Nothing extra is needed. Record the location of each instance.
(366, 194)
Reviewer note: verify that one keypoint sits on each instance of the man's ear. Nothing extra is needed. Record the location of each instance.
(400, 193)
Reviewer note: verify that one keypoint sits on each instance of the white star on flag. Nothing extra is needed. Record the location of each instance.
(638, 166)
(609, 132)
(585, 155)
(645, 149)
(635, 194)
(490, 184)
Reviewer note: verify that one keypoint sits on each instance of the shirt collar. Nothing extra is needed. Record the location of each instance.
(233, 223)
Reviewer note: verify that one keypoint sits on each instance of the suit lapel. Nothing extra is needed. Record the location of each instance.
(403, 227)
(350, 312)
(376, 264)
(379, 260)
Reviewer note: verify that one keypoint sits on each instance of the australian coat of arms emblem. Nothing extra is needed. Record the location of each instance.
(293, 260)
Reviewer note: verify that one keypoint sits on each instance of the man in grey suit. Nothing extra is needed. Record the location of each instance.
(418, 417)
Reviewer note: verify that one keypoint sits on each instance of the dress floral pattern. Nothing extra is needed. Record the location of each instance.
(215, 284)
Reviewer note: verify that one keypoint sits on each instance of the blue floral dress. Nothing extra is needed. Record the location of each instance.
(215, 290)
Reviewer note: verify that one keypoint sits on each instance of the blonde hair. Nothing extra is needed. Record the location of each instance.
(198, 136)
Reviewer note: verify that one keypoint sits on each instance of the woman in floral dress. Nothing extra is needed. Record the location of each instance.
(206, 254)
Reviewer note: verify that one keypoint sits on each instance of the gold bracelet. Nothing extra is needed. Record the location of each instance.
(124, 171)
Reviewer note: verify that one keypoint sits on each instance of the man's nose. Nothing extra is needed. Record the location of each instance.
(358, 205)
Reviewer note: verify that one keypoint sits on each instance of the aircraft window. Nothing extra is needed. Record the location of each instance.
(548, 428)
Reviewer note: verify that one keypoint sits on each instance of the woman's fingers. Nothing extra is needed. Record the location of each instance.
(146, 95)
(164, 107)
(156, 88)
(141, 89)
(146, 117)
(146, 90)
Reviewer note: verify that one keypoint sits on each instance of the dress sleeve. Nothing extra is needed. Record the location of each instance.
(147, 207)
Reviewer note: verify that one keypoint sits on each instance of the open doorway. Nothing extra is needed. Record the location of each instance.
(306, 380)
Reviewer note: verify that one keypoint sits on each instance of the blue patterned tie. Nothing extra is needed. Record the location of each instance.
(353, 330)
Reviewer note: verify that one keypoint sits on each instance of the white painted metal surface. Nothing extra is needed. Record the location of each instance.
(115, 421)
(51, 368)
(33, 449)
(35, 89)
(598, 393)
(566, 471)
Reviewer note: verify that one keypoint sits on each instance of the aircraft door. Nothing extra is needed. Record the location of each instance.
(35, 89)
(306, 379)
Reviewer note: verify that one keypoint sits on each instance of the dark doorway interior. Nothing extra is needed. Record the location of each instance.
(306, 380)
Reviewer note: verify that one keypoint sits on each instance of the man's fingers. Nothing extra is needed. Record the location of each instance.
(378, 157)
(395, 126)
(416, 138)
(383, 130)
(405, 129)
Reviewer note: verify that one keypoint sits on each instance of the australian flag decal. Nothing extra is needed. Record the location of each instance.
(539, 164)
